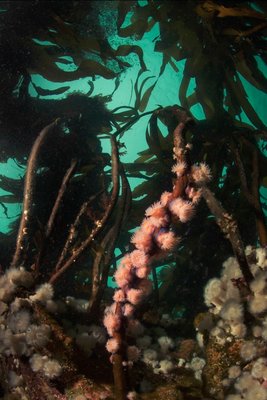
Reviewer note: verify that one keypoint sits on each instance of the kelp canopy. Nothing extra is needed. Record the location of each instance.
(83, 210)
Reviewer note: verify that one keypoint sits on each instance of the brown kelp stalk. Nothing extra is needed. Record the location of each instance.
(99, 224)
(30, 179)
(102, 262)
(51, 221)
(230, 229)
(153, 240)
(73, 231)
(251, 193)
(62, 190)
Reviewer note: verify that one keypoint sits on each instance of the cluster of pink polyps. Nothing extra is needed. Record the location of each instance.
(152, 240)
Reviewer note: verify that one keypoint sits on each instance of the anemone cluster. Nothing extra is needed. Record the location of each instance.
(152, 241)
(239, 315)
(21, 334)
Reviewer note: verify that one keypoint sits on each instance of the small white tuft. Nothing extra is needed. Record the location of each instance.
(131, 396)
(19, 321)
(232, 311)
(44, 293)
(213, 292)
(149, 355)
(20, 277)
(261, 254)
(165, 343)
(165, 366)
(37, 362)
(259, 283)
(197, 363)
(258, 304)
(238, 329)
(259, 369)
(37, 335)
(52, 369)
(234, 372)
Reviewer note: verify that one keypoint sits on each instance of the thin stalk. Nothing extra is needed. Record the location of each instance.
(30, 179)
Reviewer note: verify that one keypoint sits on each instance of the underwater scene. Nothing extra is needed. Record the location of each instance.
(133, 200)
